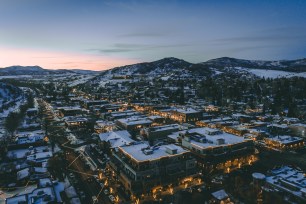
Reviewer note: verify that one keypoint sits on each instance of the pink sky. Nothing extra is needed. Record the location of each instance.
(59, 60)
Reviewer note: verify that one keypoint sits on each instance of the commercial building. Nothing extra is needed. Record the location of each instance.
(217, 150)
(287, 182)
(284, 142)
(74, 123)
(159, 132)
(133, 123)
(69, 111)
(115, 139)
(141, 168)
(186, 115)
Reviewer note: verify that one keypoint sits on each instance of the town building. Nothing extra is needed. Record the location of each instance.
(74, 123)
(115, 139)
(158, 133)
(287, 182)
(89, 103)
(186, 115)
(133, 123)
(47, 191)
(221, 197)
(217, 150)
(69, 111)
(141, 167)
(28, 138)
(104, 126)
(284, 142)
(298, 129)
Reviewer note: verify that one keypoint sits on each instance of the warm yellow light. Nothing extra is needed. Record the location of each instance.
(199, 180)
(171, 190)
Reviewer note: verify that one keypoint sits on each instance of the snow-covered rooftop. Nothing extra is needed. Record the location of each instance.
(187, 111)
(117, 138)
(220, 195)
(213, 136)
(135, 121)
(137, 151)
(285, 139)
(289, 176)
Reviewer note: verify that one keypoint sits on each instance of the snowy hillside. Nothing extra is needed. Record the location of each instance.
(272, 73)
(298, 65)
(167, 68)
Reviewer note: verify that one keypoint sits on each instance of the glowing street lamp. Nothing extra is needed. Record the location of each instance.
(171, 190)
(100, 175)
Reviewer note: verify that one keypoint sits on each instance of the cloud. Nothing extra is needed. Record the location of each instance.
(132, 5)
(123, 48)
(281, 35)
(144, 34)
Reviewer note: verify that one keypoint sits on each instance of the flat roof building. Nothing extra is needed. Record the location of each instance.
(217, 150)
(141, 167)
(285, 142)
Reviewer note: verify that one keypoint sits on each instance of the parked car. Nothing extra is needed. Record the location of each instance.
(106, 192)
(94, 199)
(112, 198)
(12, 185)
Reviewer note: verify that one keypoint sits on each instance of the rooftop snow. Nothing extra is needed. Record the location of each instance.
(117, 138)
(285, 139)
(228, 138)
(135, 121)
(136, 151)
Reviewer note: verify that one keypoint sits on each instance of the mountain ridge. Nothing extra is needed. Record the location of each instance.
(169, 64)
(298, 65)
(37, 70)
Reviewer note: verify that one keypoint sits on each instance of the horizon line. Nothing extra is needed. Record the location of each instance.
(95, 70)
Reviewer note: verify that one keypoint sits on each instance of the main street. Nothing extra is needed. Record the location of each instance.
(85, 178)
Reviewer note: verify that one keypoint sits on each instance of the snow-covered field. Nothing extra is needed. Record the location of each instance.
(80, 80)
(272, 73)
(15, 76)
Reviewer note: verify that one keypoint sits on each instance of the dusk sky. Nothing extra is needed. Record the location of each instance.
(101, 34)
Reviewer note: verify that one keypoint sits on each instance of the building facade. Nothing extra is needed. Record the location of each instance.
(140, 168)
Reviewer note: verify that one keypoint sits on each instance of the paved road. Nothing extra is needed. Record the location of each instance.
(91, 188)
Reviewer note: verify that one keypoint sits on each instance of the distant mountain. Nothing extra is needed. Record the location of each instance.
(298, 65)
(166, 64)
(173, 68)
(19, 70)
(172, 64)
(160, 67)
(36, 70)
